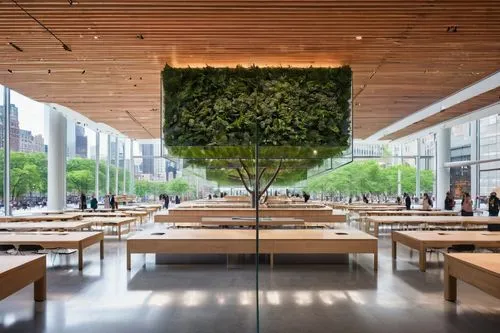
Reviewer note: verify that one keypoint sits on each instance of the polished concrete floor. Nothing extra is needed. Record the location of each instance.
(105, 297)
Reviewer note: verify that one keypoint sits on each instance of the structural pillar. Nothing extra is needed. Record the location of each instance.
(417, 174)
(400, 162)
(442, 173)
(97, 162)
(6, 151)
(124, 168)
(475, 168)
(56, 158)
(117, 165)
(108, 164)
(132, 168)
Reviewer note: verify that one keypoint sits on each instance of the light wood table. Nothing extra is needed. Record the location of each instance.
(16, 272)
(189, 241)
(325, 215)
(56, 225)
(40, 218)
(463, 221)
(422, 240)
(140, 214)
(409, 213)
(481, 270)
(250, 221)
(53, 240)
(104, 214)
(115, 222)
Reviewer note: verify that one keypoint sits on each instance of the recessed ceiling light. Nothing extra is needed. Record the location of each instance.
(96, 37)
(359, 37)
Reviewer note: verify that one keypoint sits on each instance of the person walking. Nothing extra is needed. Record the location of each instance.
(449, 202)
(493, 208)
(407, 201)
(467, 205)
(93, 203)
(426, 202)
(83, 201)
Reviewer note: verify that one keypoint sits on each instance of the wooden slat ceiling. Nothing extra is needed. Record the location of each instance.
(405, 59)
(473, 104)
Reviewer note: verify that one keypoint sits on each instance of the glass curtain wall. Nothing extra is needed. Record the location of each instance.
(28, 155)
(489, 148)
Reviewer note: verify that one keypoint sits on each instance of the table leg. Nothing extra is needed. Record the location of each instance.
(271, 260)
(375, 261)
(102, 248)
(394, 249)
(422, 259)
(128, 259)
(450, 285)
(41, 288)
(80, 257)
(119, 232)
(375, 229)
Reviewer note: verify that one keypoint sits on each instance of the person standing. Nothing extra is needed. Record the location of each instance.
(467, 205)
(426, 202)
(493, 208)
(106, 201)
(407, 201)
(83, 202)
(112, 202)
(93, 203)
(449, 202)
(166, 200)
(177, 200)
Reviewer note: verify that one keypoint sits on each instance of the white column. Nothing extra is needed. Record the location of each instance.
(400, 162)
(132, 168)
(97, 162)
(117, 165)
(474, 156)
(56, 183)
(6, 151)
(124, 168)
(442, 173)
(417, 164)
(108, 163)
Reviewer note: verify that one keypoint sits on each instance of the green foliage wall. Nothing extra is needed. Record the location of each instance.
(223, 106)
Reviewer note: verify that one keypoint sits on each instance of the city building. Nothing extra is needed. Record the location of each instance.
(81, 147)
(14, 127)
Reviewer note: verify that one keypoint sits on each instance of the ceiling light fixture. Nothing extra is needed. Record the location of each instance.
(9, 70)
(452, 28)
(83, 72)
(140, 36)
(16, 47)
(359, 37)
(65, 46)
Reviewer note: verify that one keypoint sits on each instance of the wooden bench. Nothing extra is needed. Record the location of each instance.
(16, 272)
(462, 221)
(118, 223)
(422, 240)
(481, 270)
(56, 225)
(55, 240)
(175, 241)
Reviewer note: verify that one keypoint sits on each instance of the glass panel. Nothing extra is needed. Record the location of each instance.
(28, 157)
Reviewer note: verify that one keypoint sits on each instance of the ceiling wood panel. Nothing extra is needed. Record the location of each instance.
(405, 60)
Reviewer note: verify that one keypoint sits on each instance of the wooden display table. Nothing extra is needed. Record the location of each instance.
(462, 221)
(196, 214)
(250, 221)
(410, 213)
(16, 272)
(115, 222)
(104, 214)
(482, 270)
(54, 240)
(138, 214)
(40, 218)
(175, 241)
(56, 225)
(422, 240)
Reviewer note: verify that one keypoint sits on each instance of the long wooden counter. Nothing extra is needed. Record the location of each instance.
(409, 213)
(56, 225)
(40, 218)
(16, 272)
(250, 221)
(196, 214)
(243, 242)
(55, 240)
(422, 240)
(463, 221)
(481, 270)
